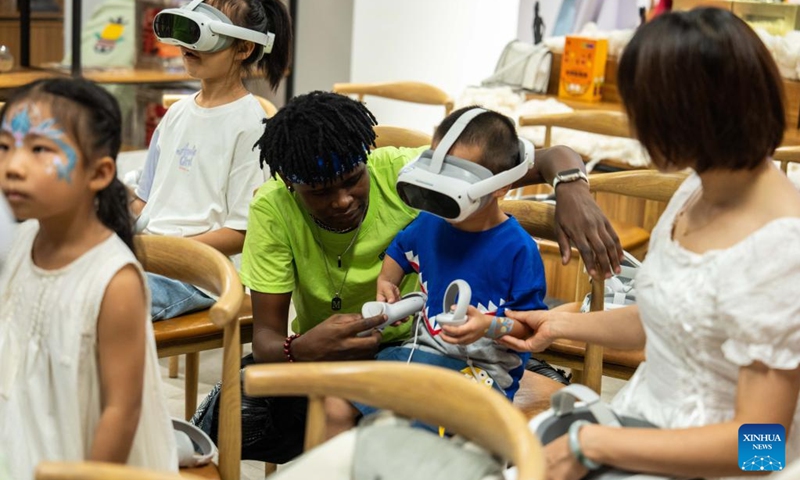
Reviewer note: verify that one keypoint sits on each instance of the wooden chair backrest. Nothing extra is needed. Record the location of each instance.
(651, 186)
(101, 471)
(170, 98)
(269, 108)
(787, 155)
(600, 122)
(196, 263)
(387, 136)
(646, 184)
(414, 391)
(538, 219)
(415, 92)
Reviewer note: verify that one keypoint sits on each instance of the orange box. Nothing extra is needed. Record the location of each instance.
(583, 69)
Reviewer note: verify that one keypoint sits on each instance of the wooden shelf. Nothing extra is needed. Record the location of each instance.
(131, 76)
(17, 78)
(612, 101)
(14, 15)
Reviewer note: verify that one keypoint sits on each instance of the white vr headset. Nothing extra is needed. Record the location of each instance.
(203, 28)
(451, 187)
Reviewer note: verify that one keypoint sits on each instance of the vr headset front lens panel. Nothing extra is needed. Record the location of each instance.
(422, 198)
(168, 25)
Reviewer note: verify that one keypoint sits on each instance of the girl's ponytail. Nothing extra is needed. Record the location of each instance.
(264, 16)
(113, 210)
(276, 64)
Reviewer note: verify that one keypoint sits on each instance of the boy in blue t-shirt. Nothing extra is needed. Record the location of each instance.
(489, 250)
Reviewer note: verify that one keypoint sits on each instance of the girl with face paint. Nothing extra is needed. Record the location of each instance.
(75, 334)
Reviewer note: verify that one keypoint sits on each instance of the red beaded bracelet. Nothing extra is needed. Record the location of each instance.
(287, 347)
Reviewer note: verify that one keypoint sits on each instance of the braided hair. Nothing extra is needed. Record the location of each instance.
(91, 117)
(317, 138)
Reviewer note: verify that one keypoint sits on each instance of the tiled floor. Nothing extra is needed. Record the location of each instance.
(210, 368)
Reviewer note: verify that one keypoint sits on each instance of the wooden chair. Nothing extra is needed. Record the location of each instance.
(601, 122)
(193, 333)
(627, 215)
(467, 409)
(169, 98)
(787, 155)
(538, 219)
(415, 92)
(589, 363)
(102, 471)
(196, 263)
(387, 136)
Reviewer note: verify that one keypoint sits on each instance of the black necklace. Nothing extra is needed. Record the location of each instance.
(327, 227)
(336, 301)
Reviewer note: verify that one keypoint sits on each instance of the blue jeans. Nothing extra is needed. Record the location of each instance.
(171, 298)
(400, 354)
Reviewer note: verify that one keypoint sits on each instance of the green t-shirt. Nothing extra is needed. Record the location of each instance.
(282, 251)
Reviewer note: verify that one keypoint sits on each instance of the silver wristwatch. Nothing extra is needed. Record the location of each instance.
(570, 175)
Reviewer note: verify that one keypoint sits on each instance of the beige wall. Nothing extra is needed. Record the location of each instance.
(323, 45)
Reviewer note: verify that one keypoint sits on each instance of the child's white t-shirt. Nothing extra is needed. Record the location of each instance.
(201, 168)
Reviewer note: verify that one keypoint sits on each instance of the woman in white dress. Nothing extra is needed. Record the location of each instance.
(718, 302)
(78, 372)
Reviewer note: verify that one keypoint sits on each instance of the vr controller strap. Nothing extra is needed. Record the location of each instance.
(563, 403)
(437, 160)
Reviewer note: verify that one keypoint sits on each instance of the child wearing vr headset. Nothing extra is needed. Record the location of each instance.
(463, 234)
(201, 167)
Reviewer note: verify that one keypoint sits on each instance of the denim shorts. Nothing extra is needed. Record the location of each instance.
(170, 298)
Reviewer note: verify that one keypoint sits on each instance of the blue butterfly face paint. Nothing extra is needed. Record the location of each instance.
(21, 125)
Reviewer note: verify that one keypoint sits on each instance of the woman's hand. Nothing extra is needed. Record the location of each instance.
(477, 325)
(561, 463)
(536, 320)
(579, 220)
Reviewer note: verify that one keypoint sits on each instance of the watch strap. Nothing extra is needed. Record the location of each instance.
(577, 176)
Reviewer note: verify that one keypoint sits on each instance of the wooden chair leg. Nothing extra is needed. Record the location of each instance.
(315, 422)
(174, 365)
(192, 371)
(269, 469)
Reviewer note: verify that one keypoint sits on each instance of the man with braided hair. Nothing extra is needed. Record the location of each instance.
(316, 235)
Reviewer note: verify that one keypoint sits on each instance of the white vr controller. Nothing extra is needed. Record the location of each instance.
(405, 307)
(458, 294)
(458, 289)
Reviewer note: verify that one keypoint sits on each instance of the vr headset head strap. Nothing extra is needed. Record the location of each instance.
(191, 6)
(446, 143)
(502, 179)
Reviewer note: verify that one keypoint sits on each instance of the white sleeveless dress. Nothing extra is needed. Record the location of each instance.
(707, 315)
(49, 374)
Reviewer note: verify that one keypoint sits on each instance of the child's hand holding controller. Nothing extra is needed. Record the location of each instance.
(388, 292)
(396, 313)
(476, 327)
